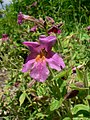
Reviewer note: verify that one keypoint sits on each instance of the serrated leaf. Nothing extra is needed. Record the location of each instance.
(55, 104)
(80, 107)
(22, 98)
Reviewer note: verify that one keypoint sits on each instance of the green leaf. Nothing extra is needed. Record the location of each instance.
(81, 118)
(67, 118)
(88, 97)
(62, 74)
(79, 74)
(77, 88)
(80, 107)
(55, 104)
(22, 98)
(40, 115)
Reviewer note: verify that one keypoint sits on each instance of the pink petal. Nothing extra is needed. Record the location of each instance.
(88, 28)
(55, 61)
(20, 18)
(25, 17)
(32, 45)
(29, 62)
(49, 19)
(40, 71)
(31, 56)
(4, 37)
(33, 29)
(59, 31)
(54, 29)
(28, 65)
(47, 42)
(47, 39)
(78, 67)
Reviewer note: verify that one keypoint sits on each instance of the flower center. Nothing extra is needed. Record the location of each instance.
(41, 56)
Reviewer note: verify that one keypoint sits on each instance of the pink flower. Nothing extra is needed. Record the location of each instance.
(40, 55)
(39, 23)
(22, 17)
(88, 28)
(34, 28)
(49, 19)
(4, 37)
(78, 67)
(54, 29)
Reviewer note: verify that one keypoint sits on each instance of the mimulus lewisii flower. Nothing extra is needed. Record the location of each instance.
(34, 28)
(54, 29)
(22, 17)
(78, 67)
(4, 37)
(40, 55)
(88, 28)
(49, 19)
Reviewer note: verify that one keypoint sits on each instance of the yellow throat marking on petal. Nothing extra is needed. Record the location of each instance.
(41, 56)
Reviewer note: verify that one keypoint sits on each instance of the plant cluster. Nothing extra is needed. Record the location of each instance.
(44, 62)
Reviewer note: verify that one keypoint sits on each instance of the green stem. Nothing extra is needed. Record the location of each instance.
(68, 108)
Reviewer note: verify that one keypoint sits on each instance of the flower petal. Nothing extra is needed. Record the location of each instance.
(20, 18)
(55, 61)
(4, 37)
(25, 17)
(28, 65)
(47, 42)
(54, 29)
(31, 56)
(49, 19)
(34, 28)
(39, 71)
(32, 45)
(47, 39)
(88, 28)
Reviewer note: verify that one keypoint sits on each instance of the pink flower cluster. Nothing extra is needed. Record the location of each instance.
(41, 55)
(39, 23)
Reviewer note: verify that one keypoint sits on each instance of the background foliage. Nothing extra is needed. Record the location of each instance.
(64, 95)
